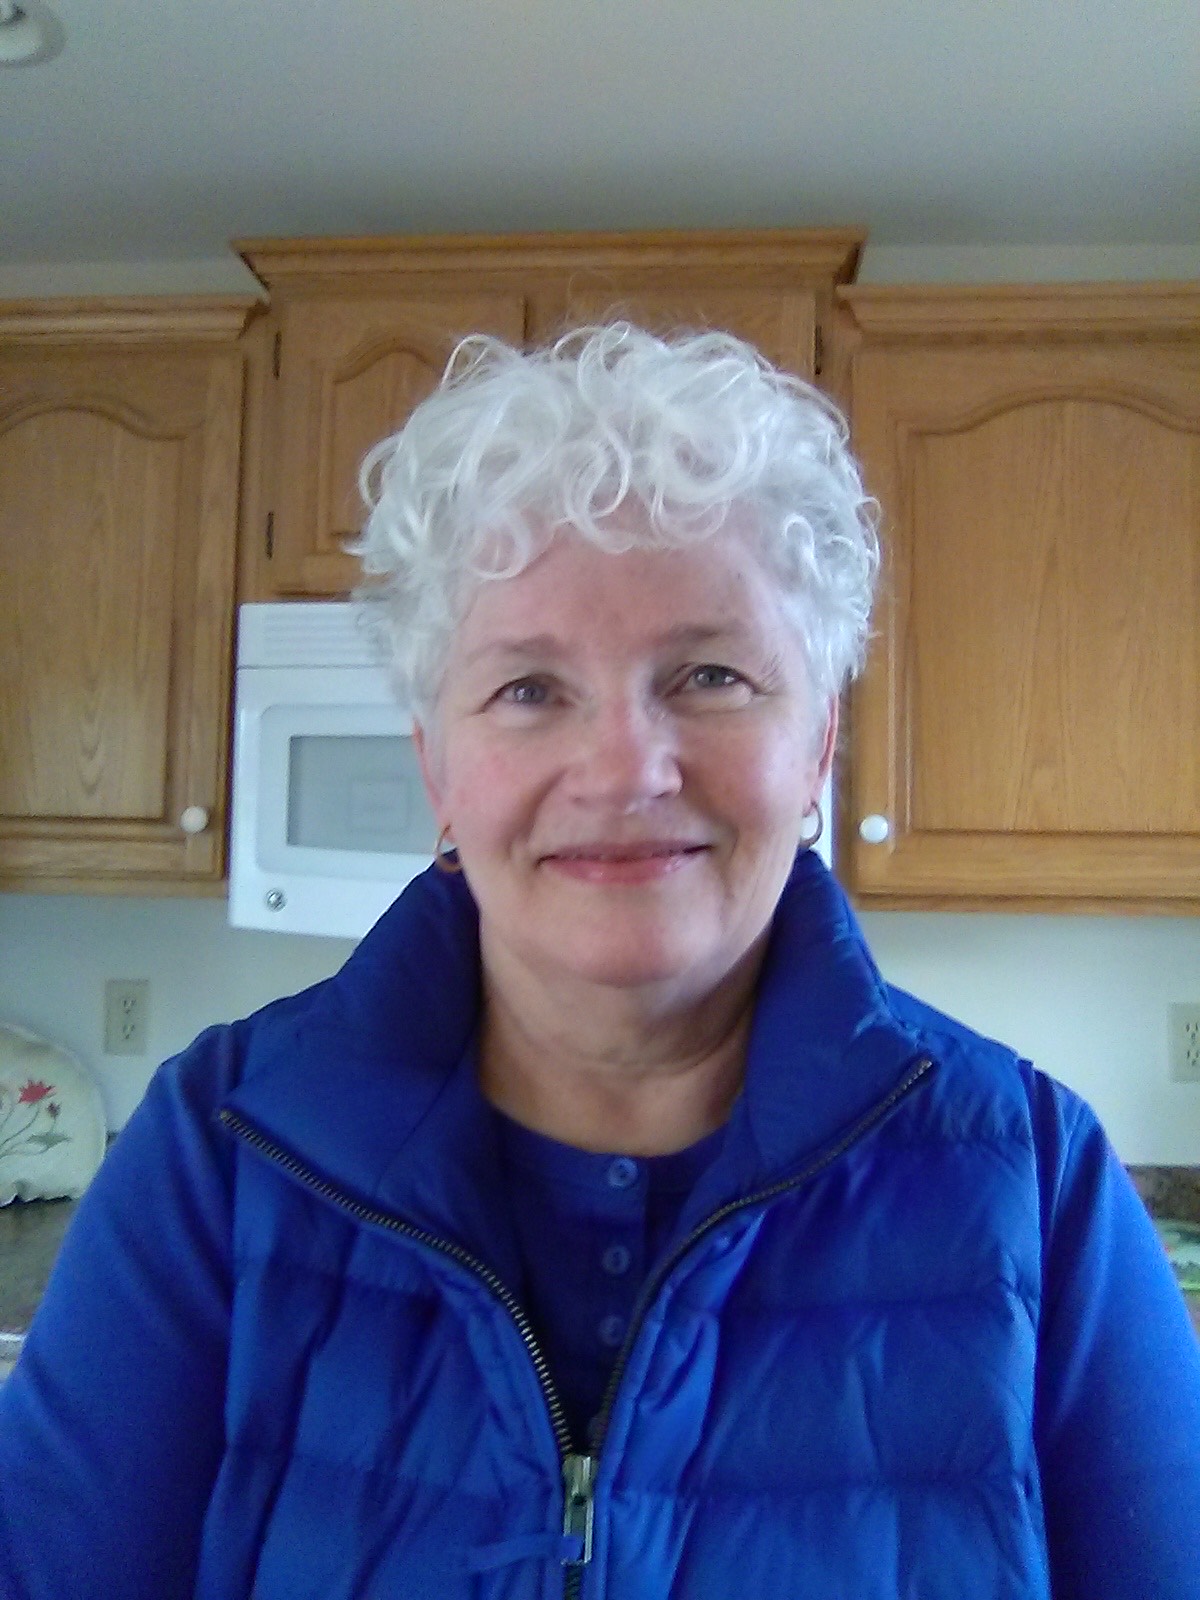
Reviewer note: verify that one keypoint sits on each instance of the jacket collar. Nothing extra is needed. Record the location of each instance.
(369, 1078)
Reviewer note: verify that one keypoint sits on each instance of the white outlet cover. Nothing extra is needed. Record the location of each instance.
(1185, 1043)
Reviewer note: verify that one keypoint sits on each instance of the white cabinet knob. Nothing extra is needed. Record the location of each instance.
(874, 829)
(194, 819)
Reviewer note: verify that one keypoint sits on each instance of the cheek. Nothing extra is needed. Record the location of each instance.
(487, 794)
(765, 783)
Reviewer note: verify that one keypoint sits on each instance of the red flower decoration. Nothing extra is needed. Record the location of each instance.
(34, 1091)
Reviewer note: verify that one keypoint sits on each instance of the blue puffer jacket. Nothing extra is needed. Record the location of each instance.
(915, 1337)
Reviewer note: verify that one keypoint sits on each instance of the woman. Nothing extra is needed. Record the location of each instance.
(607, 1225)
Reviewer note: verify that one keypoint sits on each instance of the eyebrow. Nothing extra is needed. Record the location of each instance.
(545, 646)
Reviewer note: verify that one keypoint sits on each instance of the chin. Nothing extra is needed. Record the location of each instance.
(620, 965)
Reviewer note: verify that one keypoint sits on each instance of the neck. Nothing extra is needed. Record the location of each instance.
(615, 1069)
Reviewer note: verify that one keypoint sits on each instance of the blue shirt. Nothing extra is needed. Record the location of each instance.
(589, 1229)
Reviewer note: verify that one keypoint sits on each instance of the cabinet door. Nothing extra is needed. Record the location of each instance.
(1028, 729)
(118, 512)
(350, 369)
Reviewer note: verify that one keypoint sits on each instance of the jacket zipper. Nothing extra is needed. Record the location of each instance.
(579, 1468)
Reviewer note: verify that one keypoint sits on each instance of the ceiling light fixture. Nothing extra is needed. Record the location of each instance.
(29, 34)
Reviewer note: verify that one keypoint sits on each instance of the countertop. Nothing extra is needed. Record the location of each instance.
(1172, 1194)
(31, 1232)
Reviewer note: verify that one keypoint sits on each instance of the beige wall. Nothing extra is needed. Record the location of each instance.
(1086, 997)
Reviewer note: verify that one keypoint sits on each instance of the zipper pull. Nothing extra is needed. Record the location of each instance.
(579, 1478)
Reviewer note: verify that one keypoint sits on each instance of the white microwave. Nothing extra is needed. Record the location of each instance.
(329, 818)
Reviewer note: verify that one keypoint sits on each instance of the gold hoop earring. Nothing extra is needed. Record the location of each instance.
(446, 860)
(810, 841)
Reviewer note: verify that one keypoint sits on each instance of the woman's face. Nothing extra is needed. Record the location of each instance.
(624, 751)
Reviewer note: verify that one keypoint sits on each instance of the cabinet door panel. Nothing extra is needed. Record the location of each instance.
(351, 371)
(87, 575)
(1039, 698)
(1029, 724)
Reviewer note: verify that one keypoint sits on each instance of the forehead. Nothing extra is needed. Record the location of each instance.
(577, 594)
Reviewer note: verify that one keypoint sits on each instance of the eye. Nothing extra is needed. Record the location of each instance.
(709, 686)
(711, 675)
(524, 692)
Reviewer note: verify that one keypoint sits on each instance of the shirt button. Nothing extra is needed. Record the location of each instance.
(622, 1172)
(616, 1260)
(611, 1331)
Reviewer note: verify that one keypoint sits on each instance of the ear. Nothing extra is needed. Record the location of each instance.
(829, 743)
(430, 774)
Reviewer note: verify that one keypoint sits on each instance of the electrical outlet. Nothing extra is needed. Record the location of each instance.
(1185, 1044)
(126, 1001)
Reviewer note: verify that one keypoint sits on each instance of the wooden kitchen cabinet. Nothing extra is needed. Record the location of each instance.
(360, 330)
(120, 447)
(1027, 732)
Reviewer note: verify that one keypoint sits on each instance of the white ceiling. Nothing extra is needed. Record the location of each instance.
(166, 128)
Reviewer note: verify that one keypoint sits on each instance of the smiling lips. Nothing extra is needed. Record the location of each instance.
(633, 863)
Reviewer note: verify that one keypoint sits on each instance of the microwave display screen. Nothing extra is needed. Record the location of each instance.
(357, 792)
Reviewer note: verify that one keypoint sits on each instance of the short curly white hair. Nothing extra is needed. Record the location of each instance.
(517, 446)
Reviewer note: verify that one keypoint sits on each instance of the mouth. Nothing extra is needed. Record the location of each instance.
(640, 861)
(634, 850)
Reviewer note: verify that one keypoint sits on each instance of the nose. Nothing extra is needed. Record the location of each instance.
(626, 757)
